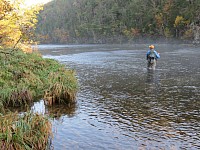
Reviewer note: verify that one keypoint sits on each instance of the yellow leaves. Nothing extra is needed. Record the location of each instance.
(34, 21)
(159, 19)
(180, 21)
(16, 22)
(4, 7)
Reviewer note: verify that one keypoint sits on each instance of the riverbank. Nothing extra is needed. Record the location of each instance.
(24, 79)
(27, 77)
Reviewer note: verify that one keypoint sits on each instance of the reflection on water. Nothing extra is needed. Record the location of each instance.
(56, 111)
(153, 85)
(151, 78)
(38, 107)
(122, 105)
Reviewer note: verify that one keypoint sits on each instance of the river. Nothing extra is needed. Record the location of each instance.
(123, 106)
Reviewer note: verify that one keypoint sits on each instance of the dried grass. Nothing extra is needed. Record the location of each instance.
(28, 131)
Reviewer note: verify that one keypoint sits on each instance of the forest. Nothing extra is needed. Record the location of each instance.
(118, 21)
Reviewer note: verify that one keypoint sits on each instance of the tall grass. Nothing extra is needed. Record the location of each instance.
(26, 77)
(23, 79)
(28, 131)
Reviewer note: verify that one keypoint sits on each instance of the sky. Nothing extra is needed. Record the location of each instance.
(33, 2)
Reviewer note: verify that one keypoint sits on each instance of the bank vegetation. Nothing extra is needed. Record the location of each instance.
(26, 77)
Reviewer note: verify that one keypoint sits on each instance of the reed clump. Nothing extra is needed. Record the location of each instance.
(26, 131)
(60, 88)
(26, 77)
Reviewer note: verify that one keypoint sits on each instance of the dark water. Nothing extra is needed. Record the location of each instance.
(121, 105)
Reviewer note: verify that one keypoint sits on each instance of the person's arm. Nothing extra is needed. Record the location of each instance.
(157, 54)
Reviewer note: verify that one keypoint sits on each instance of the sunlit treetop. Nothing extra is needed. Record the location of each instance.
(16, 22)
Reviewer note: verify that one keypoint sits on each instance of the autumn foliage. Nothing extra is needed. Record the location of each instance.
(107, 21)
(16, 23)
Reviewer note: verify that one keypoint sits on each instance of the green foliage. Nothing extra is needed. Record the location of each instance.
(24, 77)
(100, 21)
(167, 33)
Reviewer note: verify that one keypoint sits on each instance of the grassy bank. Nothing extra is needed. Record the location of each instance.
(27, 131)
(26, 77)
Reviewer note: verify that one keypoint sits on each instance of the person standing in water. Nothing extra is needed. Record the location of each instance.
(152, 57)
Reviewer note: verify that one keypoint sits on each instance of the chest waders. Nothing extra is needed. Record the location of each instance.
(151, 61)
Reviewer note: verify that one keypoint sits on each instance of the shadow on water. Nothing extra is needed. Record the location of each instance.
(122, 105)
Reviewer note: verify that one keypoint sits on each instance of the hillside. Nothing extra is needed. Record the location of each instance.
(103, 21)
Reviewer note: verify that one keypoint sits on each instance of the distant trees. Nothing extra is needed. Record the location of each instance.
(16, 23)
(101, 21)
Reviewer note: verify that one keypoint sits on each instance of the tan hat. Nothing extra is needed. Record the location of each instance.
(151, 46)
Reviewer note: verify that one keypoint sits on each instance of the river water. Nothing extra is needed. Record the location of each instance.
(123, 106)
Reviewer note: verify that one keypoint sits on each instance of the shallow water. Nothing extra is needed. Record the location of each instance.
(122, 105)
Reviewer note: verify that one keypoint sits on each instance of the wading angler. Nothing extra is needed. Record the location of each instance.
(152, 57)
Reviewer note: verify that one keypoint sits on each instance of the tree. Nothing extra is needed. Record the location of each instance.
(16, 23)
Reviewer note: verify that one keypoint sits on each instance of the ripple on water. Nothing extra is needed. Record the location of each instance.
(121, 105)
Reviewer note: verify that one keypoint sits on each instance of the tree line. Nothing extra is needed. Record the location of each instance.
(103, 21)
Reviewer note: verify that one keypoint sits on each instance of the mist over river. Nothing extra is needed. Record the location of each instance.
(123, 106)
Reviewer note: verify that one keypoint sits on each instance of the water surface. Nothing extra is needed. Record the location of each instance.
(122, 105)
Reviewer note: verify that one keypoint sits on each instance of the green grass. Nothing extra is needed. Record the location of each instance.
(26, 77)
